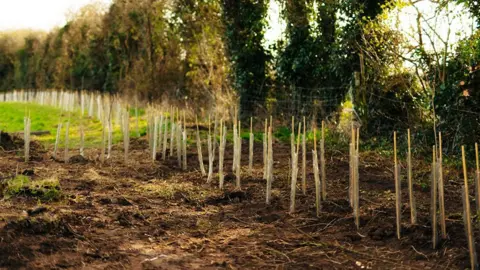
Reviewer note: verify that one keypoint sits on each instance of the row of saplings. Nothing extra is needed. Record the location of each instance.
(164, 129)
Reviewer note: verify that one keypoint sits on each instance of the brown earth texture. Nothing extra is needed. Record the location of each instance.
(154, 215)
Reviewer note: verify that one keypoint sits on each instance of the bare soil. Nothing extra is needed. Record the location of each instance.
(153, 215)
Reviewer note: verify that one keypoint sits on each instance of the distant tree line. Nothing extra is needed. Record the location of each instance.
(207, 52)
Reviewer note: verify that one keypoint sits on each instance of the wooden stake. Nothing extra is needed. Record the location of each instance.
(304, 158)
(441, 201)
(468, 220)
(397, 187)
(250, 150)
(413, 210)
(477, 179)
(434, 199)
(316, 173)
(323, 178)
(199, 149)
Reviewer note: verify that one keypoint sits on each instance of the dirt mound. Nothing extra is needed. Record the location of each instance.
(9, 142)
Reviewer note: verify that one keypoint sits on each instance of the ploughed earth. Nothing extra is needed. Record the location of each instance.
(154, 215)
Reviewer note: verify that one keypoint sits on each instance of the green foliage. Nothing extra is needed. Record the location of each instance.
(45, 190)
(245, 22)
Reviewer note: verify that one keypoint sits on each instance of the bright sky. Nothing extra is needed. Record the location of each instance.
(38, 14)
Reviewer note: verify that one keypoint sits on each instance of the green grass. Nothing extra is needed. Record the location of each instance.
(47, 118)
(45, 190)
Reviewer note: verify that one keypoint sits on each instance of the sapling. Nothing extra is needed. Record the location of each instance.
(304, 158)
(250, 149)
(57, 140)
(223, 142)
(466, 216)
(316, 173)
(199, 149)
(293, 184)
(413, 210)
(67, 128)
(441, 202)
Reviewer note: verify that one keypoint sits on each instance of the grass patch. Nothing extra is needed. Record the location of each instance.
(46, 190)
(47, 118)
(167, 190)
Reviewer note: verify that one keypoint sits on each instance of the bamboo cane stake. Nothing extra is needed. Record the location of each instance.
(67, 128)
(356, 188)
(210, 153)
(179, 141)
(468, 220)
(235, 142)
(172, 129)
(413, 210)
(443, 227)
(126, 134)
(269, 175)
(82, 139)
(293, 184)
(165, 136)
(223, 141)
(26, 137)
(184, 143)
(160, 132)
(199, 149)
(304, 158)
(433, 209)
(154, 138)
(352, 168)
(250, 148)
(397, 187)
(103, 145)
(265, 150)
(239, 156)
(323, 178)
(292, 145)
(57, 141)
(477, 179)
(316, 173)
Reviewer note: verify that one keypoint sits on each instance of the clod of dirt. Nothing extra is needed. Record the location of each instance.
(78, 159)
(228, 197)
(39, 226)
(28, 172)
(8, 142)
(268, 218)
(36, 211)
